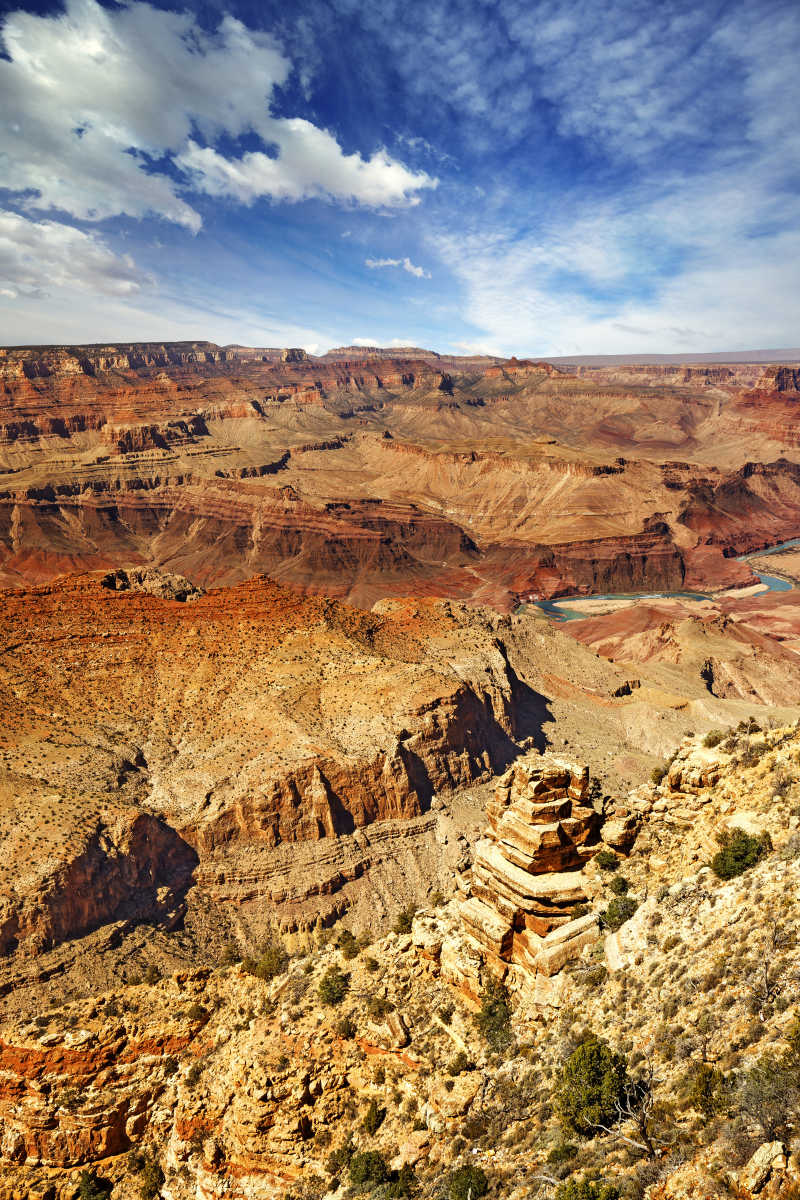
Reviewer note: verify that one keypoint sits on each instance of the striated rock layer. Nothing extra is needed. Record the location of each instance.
(372, 474)
(527, 872)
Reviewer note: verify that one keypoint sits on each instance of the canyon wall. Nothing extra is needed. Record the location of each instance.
(375, 474)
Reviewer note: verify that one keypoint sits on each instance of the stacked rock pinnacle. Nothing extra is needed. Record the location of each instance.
(527, 871)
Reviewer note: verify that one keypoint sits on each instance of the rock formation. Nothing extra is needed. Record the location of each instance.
(373, 474)
(527, 872)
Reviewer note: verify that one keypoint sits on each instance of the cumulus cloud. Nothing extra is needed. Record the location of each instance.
(375, 264)
(310, 163)
(99, 106)
(37, 256)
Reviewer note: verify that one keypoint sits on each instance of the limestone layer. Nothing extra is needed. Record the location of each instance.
(527, 871)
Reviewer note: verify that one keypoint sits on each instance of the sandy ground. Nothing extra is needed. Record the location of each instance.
(785, 565)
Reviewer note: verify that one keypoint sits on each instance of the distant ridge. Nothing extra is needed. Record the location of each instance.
(234, 351)
(721, 356)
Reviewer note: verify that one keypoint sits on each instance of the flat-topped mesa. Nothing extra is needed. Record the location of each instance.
(527, 871)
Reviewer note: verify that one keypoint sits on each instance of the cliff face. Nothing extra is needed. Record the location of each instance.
(371, 475)
(174, 730)
(129, 866)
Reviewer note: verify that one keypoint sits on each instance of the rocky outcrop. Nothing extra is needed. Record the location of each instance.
(132, 865)
(527, 872)
(155, 583)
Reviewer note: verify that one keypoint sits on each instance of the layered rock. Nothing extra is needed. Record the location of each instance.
(527, 872)
(409, 473)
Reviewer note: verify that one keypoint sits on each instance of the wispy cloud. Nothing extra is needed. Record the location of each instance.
(375, 264)
(38, 256)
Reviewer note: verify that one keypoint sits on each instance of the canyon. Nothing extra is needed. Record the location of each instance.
(392, 473)
(277, 688)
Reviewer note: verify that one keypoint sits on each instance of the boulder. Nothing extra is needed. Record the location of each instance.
(769, 1157)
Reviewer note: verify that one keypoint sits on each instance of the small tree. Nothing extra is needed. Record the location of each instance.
(705, 1089)
(738, 852)
(619, 910)
(494, 1017)
(405, 919)
(91, 1187)
(333, 986)
(271, 961)
(467, 1183)
(367, 1169)
(348, 945)
(769, 1093)
(590, 1086)
(373, 1118)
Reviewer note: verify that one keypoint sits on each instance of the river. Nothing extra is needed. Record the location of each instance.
(772, 583)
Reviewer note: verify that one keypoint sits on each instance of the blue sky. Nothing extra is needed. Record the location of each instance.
(539, 178)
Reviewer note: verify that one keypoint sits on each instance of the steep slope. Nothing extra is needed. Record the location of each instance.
(366, 1061)
(388, 475)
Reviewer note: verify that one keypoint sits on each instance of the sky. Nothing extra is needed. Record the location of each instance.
(529, 177)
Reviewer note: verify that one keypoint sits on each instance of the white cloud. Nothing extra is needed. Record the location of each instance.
(94, 99)
(406, 263)
(37, 256)
(310, 163)
(607, 281)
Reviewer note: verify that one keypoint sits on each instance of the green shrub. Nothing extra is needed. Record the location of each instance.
(367, 1169)
(340, 1158)
(346, 1028)
(348, 945)
(403, 1183)
(271, 961)
(658, 775)
(769, 1093)
(467, 1183)
(704, 1088)
(405, 919)
(494, 1017)
(92, 1187)
(196, 1012)
(562, 1153)
(620, 910)
(606, 860)
(586, 1189)
(619, 885)
(151, 1177)
(229, 955)
(590, 1084)
(738, 852)
(333, 987)
(713, 738)
(373, 1118)
(459, 1063)
(379, 1006)
(151, 974)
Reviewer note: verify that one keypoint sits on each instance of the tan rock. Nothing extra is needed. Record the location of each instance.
(769, 1157)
